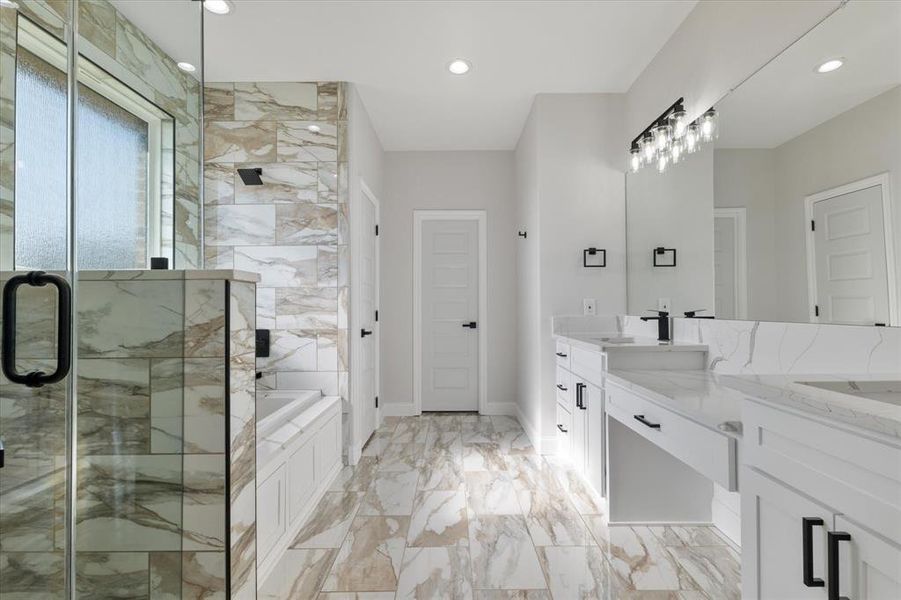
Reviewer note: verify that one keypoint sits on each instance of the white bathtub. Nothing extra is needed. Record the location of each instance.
(299, 447)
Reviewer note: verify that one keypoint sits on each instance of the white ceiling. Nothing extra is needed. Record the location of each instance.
(397, 51)
(788, 97)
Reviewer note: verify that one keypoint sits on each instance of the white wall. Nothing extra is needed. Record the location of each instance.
(447, 180)
(861, 142)
(718, 45)
(570, 196)
(366, 154)
(747, 178)
(673, 209)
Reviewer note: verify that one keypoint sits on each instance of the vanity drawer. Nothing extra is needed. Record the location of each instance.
(564, 385)
(589, 366)
(709, 452)
(564, 433)
(562, 352)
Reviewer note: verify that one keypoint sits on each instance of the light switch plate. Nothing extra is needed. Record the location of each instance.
(663, 304)
(589, 306)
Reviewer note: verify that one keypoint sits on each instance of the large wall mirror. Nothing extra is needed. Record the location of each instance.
(137, 134)
(793, 212)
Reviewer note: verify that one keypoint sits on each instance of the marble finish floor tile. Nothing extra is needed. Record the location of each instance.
(425, 515)
(391, 493)
(429, 573)
(328, 525)
(439, 519)
(370, 558)
(503, 556)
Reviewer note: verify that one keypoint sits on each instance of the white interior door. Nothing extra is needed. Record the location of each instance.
(849, 252)
(724, 267)
(450, 327)
(368, 290)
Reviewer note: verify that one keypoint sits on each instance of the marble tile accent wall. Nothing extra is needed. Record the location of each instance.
(110, 40)
(293, 229)
(165, 362)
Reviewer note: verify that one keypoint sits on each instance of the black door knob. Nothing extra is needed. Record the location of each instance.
(471, 324)
(364, 333)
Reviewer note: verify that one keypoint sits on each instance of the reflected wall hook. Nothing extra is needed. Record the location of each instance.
(523, 234)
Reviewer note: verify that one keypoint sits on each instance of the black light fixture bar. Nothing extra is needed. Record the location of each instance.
(661, 120)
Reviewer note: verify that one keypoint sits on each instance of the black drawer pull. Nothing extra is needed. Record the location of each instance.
(807, 525)
(832, 565)
(561, 355)
(643, 421)
(560, 427)
(580, 398)
(562, 387)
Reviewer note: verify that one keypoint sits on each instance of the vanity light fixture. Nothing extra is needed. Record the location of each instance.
(830, 65)
(218, 7)
(459, 66)
(187, 67)
(670, 137)
(314, 128)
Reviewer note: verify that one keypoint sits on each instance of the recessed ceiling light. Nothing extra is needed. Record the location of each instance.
(830, 65)
(314, 128)
(187, 67)
(218, 7)
(459, 66)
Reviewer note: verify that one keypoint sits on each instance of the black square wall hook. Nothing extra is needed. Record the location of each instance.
(660, 257)
(594, 252)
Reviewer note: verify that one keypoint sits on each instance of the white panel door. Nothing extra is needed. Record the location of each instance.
(724, 272)
(595, 444)
(850, 260)
(450, 319)
(368, 262)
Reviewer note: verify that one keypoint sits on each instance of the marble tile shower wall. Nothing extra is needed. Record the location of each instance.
(292, 230)
(110, 40)
(153, 456)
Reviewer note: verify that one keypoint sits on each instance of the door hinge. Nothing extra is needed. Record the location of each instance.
(376, 316)
(376, 401)
(813, 225)
(816, 310)
(376, 229)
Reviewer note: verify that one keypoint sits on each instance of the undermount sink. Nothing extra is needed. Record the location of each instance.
(882, 391)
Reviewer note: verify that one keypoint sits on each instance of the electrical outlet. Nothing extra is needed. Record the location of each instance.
(663, 304)
(589, 306)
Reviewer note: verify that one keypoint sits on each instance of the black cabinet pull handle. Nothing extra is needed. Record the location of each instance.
(562, 387)
(63, 333)
(470, 325)
(807, 525)
(580, 394)
(832, 565)
(560, 427)
(365, 332)
(561, 354)
(642, 420)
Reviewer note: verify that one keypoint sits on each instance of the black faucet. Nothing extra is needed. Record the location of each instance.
(662, 319)
(693, 314)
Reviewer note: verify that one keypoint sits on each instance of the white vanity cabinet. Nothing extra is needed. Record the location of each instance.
(580, 412)
(848, 487)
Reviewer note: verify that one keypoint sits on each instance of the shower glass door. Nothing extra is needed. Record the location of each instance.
(100, 132)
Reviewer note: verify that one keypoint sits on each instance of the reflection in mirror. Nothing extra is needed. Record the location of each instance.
(137, 138)
(794, 213)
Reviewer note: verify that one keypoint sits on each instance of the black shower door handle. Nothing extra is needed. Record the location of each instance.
(63, 329)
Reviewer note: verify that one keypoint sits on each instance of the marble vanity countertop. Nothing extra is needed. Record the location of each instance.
(697, 395)
(849, 407)
(169, 274)
(595, 341)
(712, 399)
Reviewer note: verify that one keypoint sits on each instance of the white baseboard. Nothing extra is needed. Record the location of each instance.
(397, 409)
(529, 428)
(507, 409)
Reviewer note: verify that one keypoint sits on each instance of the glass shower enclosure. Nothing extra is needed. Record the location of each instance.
(100, 178)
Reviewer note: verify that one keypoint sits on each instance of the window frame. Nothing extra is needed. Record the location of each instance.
(160, 124)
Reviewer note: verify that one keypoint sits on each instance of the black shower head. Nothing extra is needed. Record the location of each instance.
(251, 176)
